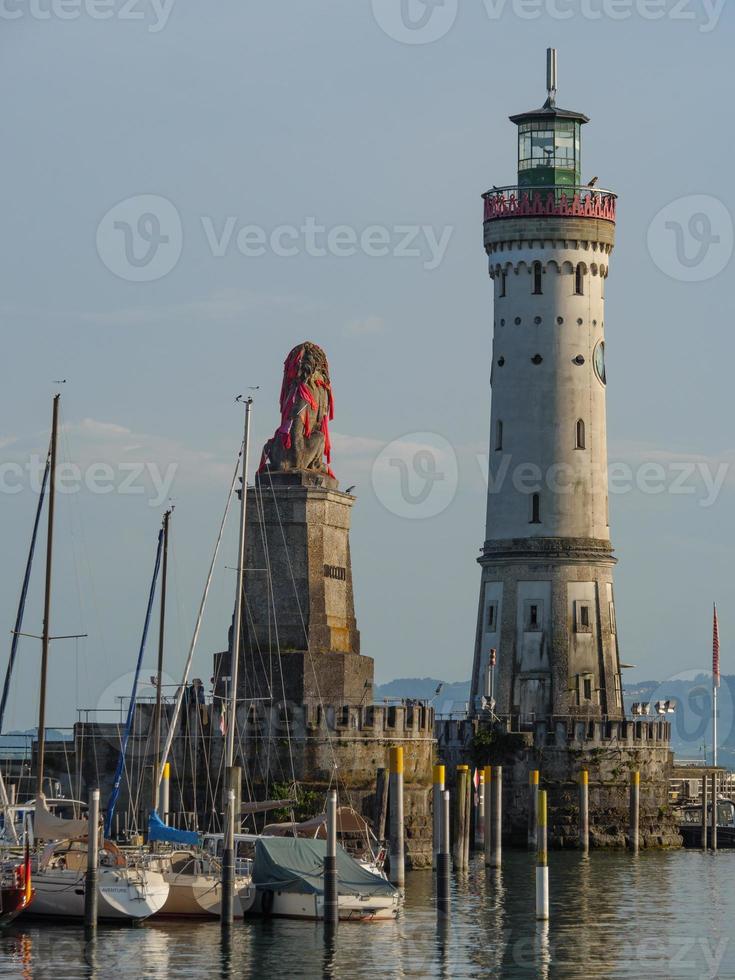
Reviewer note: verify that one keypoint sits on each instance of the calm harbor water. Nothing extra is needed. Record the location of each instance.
(612, 916)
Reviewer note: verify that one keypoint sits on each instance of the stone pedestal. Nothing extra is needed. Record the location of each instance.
(299, 604)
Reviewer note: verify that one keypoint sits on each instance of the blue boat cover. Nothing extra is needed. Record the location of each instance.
(159, 831)
(295, 864)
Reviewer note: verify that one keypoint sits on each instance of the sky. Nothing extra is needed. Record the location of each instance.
(190, 190)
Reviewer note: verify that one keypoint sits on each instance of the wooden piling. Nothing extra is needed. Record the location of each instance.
(542, 860)
(635, 803)
(487, 790)
(584, 812)
(90, 879)
(533, 791)
(397, 859)
(331, 895)
(437, 803)
(381, 803)
(460, 825)
(496, 842)
(468, 819)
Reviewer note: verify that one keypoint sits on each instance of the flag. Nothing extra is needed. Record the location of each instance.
(223, 719)
(715, 650)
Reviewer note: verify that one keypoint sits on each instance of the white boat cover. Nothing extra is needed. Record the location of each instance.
(48, 827)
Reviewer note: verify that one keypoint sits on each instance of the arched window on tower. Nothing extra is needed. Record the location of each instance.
(503, 283)
(603, 277)
(579, 280)
(498, 435)
(536, 508)
(579, 440)
(537, 278)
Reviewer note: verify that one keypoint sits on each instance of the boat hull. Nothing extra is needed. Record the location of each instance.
(200, 896)
(121, 895)
(13, 901)
(305, 905)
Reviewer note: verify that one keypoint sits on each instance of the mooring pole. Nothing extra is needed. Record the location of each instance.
(331, 895)
(705, 820)
(635, 805)
(460, 828)
(397, 859)
(496, 845)
(443, 858)
(487, 790)
(227, 912)
(90, 879)
(165, 791)
(713, 815)
(381, 803)
(480, 822)
(533, 790)
(542, 860)
(467, 819)
(584, 812)
(439, 777)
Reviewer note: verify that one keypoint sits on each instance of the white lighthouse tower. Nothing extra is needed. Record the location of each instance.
(546, 599)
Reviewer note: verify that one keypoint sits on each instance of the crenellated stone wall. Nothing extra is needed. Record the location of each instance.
(560, 748)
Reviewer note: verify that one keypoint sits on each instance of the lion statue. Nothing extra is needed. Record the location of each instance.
(301, 442)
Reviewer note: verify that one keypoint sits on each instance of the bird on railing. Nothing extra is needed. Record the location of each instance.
(593, 182)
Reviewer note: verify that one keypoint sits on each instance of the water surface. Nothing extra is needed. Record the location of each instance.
(612, 916)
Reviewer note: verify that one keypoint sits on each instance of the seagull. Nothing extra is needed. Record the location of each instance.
(438, 689)
(59, 382)
(350, 489)
(593, 182)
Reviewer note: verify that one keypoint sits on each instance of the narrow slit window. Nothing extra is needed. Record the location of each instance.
(587, 689)
(584, 616)
(503, 283)
(492, 613)
(537, 278)
(580, 435)
(533, 616)
(536, 508)
(579, 280)
(498, 435)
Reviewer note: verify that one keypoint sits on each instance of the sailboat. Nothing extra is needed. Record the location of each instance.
(59, 875)
(193, 877)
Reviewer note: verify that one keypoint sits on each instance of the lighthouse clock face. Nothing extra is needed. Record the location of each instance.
(599, 362)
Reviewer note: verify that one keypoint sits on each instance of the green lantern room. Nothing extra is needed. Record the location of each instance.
(549, 141)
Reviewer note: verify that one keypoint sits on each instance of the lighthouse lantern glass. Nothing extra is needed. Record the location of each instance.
(549, 152)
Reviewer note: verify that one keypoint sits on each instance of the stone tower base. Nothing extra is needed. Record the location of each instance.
(560, 749)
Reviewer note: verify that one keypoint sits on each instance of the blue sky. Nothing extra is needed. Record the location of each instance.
(288, 114)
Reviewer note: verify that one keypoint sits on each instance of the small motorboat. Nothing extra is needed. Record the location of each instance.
(288, 873)
(690, 823)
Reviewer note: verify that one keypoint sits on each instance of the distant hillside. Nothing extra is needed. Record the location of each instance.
(691, 722)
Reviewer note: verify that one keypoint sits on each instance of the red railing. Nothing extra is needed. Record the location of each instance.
(556, 201)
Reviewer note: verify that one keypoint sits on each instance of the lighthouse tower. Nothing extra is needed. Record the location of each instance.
(547, 606)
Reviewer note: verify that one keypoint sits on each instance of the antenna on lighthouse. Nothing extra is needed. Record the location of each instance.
(551, 74)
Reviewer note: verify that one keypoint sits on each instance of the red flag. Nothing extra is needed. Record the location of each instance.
(715, 650)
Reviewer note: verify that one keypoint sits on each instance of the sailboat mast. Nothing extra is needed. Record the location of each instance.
(159, 676)
(47, 598)
(237, 629)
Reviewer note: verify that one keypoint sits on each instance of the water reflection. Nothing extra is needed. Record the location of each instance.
(612, 916)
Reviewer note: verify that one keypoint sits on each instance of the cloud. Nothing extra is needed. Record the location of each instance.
(367, 325)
